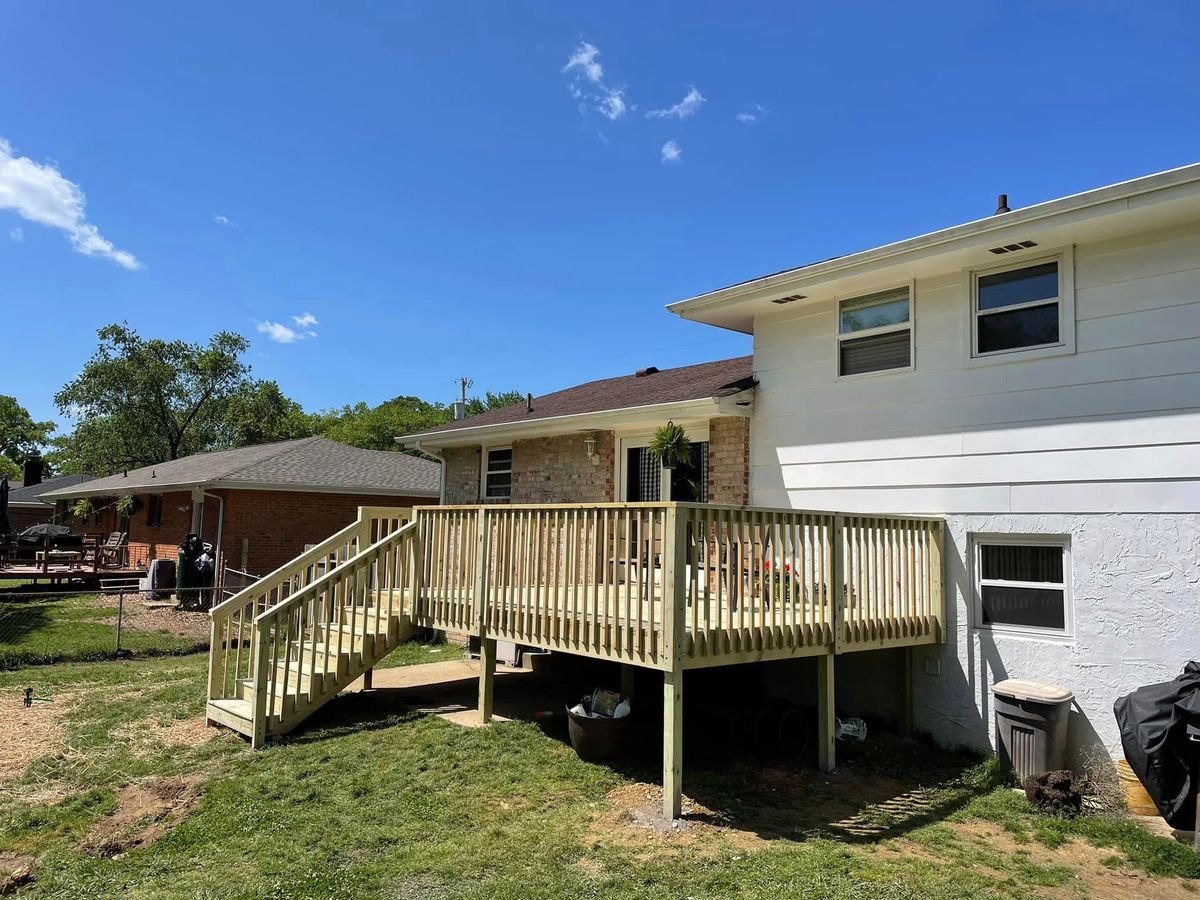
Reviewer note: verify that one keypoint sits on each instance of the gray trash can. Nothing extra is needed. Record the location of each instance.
(1031, 726)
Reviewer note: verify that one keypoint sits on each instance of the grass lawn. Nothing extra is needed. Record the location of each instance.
(44, 627)
(373, 801)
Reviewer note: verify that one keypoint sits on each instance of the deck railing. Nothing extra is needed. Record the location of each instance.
(230, 658)
(649, 582)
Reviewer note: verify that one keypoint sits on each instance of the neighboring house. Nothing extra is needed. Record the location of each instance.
(260, 505)
(1034, 377)
(26, 505)
(587, 444)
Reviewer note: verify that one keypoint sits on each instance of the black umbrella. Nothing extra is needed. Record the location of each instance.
(4, 526)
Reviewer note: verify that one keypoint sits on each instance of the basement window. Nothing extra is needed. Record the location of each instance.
(1022, 584)
(497, 474)
(875, 332)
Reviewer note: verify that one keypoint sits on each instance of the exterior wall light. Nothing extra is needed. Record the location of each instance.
(589, 447)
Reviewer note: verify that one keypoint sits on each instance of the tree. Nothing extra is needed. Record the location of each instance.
(377, 427)
(142, 401)
(258, 413)
(491, 401)
(20, 436)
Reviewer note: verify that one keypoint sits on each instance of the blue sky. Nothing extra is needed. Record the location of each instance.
(445, 195)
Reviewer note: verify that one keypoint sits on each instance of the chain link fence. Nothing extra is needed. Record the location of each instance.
(44, 626)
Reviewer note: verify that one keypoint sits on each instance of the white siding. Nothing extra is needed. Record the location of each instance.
(1101, 445)
(1036, 435)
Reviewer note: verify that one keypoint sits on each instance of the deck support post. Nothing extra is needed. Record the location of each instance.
(826, 721)
(672, 743)
(487, 677)
(906, 714)
(674, 646)
(627, 675)
(368, 679)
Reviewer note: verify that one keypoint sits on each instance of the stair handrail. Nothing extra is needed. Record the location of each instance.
(262, 639)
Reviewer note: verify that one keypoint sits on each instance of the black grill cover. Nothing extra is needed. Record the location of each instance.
(1153, 722)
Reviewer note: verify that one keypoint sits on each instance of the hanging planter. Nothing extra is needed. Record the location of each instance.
(128, 505)
(671, 445)
(82, 508)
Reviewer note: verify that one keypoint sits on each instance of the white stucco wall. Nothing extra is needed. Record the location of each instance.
(1136, 599)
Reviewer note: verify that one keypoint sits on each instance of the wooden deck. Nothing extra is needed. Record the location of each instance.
(58, 573)
(668, 586)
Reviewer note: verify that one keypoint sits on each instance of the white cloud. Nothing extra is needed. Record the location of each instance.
(587, 84)
(688, 106)
(672, 152)
(752, 115)
(283, 334)
(612, 105)
(584, 64)
(225, 221)
(40, 193)
(17, 233)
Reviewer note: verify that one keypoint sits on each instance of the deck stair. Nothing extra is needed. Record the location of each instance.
(294, 640)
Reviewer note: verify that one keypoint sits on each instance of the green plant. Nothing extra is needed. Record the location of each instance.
(128, 505)
(82, 508)
(671, 445)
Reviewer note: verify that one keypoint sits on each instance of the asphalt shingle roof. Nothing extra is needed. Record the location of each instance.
(610, 394)
(311, 463)
(33, 493)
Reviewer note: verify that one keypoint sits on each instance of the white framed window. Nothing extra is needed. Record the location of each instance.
(1023, 584)
(875, 333)
(497, 473)
(1023, 309)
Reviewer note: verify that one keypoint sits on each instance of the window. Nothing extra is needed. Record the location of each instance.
(497, 474)
(1022, 584)
(875, 332)
(154, 509)
(1019, 309)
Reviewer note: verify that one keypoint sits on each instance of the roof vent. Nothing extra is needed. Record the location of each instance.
(1013, 248)
(649, 370)
(529, 403)
(790, 298)
(1001, 205)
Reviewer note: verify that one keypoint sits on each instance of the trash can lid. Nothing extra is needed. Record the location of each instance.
(1022, 689)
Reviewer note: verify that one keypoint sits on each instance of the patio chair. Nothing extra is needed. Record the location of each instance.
(110, 553)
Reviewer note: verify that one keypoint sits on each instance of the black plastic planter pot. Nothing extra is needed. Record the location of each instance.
(597, 738)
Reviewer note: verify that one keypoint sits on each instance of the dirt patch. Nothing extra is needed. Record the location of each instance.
(857, 807)
(137, 616)
(1086, 861)
(145, 812)
(190, 732)
(28, 733)
(16, 871)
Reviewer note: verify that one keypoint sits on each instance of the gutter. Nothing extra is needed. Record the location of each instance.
(441, 465)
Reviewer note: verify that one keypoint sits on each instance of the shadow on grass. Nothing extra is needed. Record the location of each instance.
(882, 789)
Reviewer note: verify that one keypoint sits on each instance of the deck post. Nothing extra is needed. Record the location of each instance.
(674, 644)
(487, 677)
(368, 679)
(627, 676)
(838, 583)
(261, 688)
(937, 575)
(826, 721)
(906, 720)
(487, 646)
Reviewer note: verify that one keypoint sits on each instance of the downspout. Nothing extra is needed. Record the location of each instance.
(220, 517)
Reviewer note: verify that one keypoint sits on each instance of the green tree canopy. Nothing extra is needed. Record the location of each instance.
(20, 436)
(141, 401)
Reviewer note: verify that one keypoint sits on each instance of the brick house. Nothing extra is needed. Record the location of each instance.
(588, 444)
(260, 505)
(26, 505)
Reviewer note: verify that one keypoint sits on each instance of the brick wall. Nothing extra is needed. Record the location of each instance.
(729, 460)
(275, 525)
(462, 475)
(20, 519)
(557, 470)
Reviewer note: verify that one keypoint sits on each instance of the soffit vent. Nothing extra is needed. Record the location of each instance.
(790, 298)
(1013, 248)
